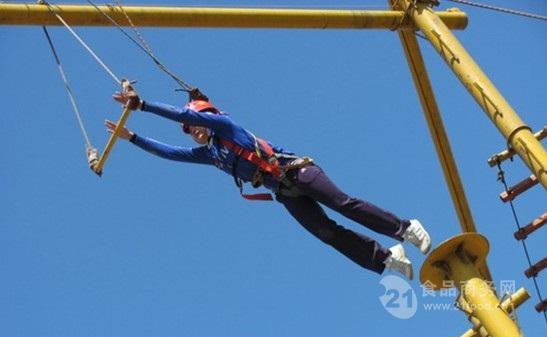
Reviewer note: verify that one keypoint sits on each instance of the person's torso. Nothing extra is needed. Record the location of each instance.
(228, 161)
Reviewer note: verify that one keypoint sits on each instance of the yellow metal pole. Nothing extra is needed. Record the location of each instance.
(518, 134)
(457, 260)
(484, 305)
(508, 305)
(84, 15)
(437, 130)
(438, 134)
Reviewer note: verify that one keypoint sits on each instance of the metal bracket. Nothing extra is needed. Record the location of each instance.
(510, 152)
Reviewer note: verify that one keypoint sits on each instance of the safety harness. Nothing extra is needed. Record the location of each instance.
(267, 162)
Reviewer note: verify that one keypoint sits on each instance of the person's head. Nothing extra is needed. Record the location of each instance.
(198, 133)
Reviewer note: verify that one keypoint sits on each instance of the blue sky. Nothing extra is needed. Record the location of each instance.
(162, 248)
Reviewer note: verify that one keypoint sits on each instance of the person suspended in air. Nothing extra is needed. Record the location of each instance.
(298, 183)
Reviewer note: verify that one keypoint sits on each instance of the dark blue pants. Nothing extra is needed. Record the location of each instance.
(316, 188)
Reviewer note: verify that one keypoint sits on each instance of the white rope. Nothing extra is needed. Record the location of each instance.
(68, 89)
(118, 81)
(142, 44)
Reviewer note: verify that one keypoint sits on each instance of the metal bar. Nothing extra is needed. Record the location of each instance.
(509, 153)
(84, 15)
(517, 134)
(435, 123)
(437, 130)
(98, 168)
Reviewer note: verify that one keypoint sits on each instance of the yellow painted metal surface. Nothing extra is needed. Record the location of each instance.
(518, 134)
(432, 273)
(509, 305)
(98, 168)
(509, 153)
(84, 15)
(483, 304)
(437, 130)
(456, 260)
(439, 136)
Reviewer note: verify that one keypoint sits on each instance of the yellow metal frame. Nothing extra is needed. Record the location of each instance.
(457, 260)
(438, 134)
(461, 258)
(508, 305)
(82, 15)
(436, 128)
(509, 153)
(518, 135)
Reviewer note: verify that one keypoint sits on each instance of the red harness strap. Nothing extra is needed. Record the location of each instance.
(269, 164)
(258, 196)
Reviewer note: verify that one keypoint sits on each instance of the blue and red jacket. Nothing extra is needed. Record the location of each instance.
(214, 153)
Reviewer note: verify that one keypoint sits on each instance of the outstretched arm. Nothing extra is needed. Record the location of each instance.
(216, 122)
(197, 155)
(219, 123)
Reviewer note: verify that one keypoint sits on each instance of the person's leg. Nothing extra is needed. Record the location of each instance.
(313, 182)
(359, 248)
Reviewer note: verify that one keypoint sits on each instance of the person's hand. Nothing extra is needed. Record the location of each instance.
(125, 133)
(129, 98)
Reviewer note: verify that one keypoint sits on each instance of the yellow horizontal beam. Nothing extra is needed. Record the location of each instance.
(86, 15)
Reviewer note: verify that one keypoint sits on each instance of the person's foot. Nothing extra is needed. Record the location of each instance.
(418, 236)
(398, 261)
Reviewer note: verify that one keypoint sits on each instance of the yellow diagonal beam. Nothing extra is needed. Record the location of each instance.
(518, 135)
(84, 15)
(437, 130)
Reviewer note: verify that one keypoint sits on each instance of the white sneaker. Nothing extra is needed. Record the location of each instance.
(418, 236)
(398, 261)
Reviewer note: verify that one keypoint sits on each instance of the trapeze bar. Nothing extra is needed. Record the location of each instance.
(148, 16)
(98, 166)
